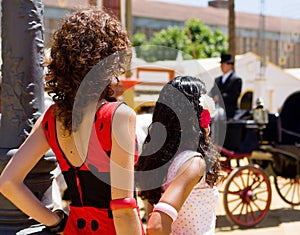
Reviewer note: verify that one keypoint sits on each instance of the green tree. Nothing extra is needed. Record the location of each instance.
(204, 42)
(195, 40)
(172, 39)
(138, 40)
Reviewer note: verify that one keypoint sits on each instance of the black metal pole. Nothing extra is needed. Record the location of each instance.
(22, 69)
(22, 101)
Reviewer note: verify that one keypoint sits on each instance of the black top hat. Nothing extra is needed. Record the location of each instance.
(226, 58)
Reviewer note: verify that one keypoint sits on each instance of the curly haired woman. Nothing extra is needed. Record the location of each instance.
(92, 137)
(178, 167)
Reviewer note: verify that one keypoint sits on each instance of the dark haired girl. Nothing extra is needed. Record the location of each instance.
(178, 167)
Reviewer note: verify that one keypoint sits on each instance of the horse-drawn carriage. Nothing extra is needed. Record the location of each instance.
(270, 149)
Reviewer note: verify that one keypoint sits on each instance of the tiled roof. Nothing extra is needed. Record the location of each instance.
(210, 16)
(66, 3)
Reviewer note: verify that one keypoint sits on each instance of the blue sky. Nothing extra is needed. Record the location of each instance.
(280, 8)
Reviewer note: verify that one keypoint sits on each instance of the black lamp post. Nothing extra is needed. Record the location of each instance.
(22, 101)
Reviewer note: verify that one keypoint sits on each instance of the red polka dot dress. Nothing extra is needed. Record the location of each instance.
(197, 215)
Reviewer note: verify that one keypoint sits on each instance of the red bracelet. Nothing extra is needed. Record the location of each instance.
(123, 203)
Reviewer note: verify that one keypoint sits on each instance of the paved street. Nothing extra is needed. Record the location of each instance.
(282, 219)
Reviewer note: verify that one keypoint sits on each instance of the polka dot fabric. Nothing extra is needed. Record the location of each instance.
(197, 215)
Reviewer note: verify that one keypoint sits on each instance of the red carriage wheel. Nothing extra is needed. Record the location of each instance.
(247, 196)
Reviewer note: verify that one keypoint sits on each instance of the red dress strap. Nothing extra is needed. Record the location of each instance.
(49, 127)
(103, 122)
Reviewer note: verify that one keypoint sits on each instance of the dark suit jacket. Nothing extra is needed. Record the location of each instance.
(230, 92)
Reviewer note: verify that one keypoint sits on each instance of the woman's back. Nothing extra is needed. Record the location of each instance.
(87, 173)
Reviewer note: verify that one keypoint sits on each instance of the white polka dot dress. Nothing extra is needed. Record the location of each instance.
(197, 215)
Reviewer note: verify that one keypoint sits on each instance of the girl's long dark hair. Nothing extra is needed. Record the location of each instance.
(175, 127)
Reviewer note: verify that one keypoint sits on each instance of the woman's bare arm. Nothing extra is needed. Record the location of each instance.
(12, 177)
(122, 169)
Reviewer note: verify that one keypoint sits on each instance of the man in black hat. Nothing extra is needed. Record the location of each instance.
(229, 86)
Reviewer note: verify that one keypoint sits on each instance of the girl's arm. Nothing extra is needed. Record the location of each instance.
(122, 169)
(187, 177)
(12, 177)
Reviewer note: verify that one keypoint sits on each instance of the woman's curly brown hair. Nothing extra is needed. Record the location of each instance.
(84, 39)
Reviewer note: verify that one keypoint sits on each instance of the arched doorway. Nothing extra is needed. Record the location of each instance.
(246, 101)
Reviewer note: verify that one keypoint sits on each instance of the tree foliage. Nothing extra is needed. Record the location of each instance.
(195, 40)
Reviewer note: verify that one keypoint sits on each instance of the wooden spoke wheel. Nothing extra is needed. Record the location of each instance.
(247, 196)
